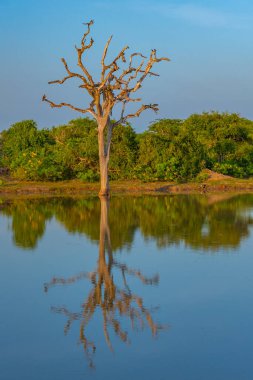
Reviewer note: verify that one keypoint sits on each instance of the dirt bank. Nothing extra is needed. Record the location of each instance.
(214, 183)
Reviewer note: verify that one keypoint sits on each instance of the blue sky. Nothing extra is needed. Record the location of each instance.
(210, 44)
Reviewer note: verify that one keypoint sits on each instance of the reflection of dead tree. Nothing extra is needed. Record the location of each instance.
(113, 301)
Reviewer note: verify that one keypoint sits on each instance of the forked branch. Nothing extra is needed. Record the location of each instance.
(82, 49)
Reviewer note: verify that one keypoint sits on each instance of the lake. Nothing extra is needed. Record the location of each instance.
(141, 287)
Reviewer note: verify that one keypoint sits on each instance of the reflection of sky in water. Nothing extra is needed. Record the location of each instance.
(205, 228)
(204, 299)
(247, 213)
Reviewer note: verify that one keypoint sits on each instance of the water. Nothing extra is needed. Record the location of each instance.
(141, 288)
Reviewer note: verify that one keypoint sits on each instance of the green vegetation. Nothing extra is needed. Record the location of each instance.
(200, 222)
(170, 150)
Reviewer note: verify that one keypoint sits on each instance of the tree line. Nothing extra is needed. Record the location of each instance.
(170, 149)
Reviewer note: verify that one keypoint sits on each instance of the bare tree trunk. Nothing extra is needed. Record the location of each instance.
(104, 153)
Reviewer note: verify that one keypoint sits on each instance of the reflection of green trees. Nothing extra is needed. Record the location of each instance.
(195, 221)
(82, 216)
(79, 216)
(170, 219)
(28, 220)
(206, 222)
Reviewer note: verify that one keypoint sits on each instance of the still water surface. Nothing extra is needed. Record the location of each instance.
(141, 288)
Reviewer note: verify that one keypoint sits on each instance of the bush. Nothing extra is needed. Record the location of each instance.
(88, 176)
(202, 177)
(171, 149)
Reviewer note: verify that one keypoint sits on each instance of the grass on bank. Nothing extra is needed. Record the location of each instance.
(211, 182)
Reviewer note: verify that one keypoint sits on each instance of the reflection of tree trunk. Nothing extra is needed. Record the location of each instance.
(104, 268)
(114, 301)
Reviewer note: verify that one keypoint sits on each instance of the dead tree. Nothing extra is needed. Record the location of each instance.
(116, 86)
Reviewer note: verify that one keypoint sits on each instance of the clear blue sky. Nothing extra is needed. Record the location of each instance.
(210, 44)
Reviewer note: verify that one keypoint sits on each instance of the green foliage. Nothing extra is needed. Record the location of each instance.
(23, 135)
(76, 145)
(168, 151)
(28, 152)
(186, 157)
(88, 176)
(154, 148)
(201, 177)
(227, 140)
(124, 150)
(61, 153)
(171, 149)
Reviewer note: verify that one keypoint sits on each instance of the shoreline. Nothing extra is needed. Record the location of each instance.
(11, 188)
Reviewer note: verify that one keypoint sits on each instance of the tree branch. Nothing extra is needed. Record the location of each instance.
(70, 75)
(152, 60)
(112, 67)
(59, 105)
(115, 86)
(103, 58)
(81, 50)
(144, 107)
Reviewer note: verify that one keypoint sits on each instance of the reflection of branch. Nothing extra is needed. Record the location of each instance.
(112, 301)
(71, 316)
(66, 281)
(89, 349)
(145, 280)
(123, 303)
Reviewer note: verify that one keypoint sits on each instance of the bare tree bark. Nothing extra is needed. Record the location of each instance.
(115, 87)
(104, 155)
